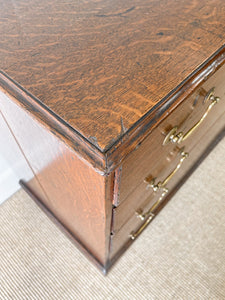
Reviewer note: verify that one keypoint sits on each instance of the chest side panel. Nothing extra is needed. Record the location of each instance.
(76, 194)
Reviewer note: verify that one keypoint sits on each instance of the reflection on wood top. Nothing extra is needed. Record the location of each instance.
(102, 65)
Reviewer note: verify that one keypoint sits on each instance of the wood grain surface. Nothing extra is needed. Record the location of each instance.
(75, 193)
(102, 65)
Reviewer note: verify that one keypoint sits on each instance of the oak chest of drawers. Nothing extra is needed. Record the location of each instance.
(111, 105)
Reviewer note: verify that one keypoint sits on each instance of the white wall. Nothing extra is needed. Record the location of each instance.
(8, 180)
(13, 166)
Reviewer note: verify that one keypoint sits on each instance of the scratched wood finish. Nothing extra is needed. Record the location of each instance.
(76, 194)
(127, 55)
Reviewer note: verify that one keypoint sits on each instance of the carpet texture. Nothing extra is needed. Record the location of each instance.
(181, 255)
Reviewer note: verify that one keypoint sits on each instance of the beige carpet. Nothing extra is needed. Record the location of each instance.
(181, 255)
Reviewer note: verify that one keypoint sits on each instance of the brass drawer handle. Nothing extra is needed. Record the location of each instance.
(161, 184)
(149, 214)
(178, 137)
(142, 215)
(134, 235)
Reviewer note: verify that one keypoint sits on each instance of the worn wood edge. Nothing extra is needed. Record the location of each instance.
(64, 230)
(116, 189)
(109, 188)
(141, 129)
(54, 123)
(211, 146)
(106, 160)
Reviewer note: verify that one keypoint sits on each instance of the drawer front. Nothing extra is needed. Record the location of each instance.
(155, 153)
(144, 212)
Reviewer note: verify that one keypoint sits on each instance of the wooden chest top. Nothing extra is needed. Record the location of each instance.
(101, 67)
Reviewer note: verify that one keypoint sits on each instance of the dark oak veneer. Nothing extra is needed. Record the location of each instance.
(88, 92)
